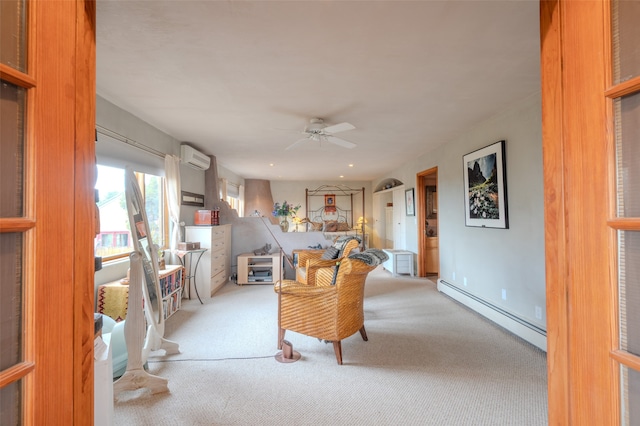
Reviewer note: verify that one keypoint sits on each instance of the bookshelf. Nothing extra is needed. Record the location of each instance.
(171, 288)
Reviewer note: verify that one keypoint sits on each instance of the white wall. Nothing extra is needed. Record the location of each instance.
(492, 259)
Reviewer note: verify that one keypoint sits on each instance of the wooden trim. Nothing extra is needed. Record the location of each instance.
(53, 286)
(624, 224)
(16, 224)
(31, 385)
(580, 303)
(555, 227)
(84, 212)
(15, 372)
(626, 359)
(16, 77)
(625, 88)
(611, 323)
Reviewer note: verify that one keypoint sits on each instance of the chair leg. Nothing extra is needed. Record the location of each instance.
(363, 333)
(281, 332)
(337, 348)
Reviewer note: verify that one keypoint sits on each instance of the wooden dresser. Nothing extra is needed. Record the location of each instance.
(215, 264)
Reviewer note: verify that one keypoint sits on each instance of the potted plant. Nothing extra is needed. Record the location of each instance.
(283, 212)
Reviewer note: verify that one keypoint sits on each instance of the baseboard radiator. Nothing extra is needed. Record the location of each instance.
(516, 325)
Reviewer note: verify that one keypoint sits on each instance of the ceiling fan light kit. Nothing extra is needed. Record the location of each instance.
(318, 131)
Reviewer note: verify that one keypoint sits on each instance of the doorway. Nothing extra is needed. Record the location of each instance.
(428, 233)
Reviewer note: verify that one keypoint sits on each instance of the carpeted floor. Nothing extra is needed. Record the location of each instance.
(428, 361)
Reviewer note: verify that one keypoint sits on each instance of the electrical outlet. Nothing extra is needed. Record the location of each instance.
(504, 294)
(465, 281)
(454, 275)
(538, 312)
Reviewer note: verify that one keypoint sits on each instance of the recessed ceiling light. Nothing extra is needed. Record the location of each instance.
(350, 165)
(271, 164)
(341, 176)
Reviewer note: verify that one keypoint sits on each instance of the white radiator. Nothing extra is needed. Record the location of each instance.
(521, 328)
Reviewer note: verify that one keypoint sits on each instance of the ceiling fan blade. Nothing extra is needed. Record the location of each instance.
(296, 143)
(341, 142)
(342, 127)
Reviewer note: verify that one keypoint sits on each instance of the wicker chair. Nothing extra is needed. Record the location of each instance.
(309, 261)
(330, 313)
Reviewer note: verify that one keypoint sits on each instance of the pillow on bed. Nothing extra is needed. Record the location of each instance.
(330, 226)
(343, 227)
(315, 226)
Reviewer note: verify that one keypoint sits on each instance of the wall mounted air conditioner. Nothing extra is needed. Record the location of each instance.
(194, 158)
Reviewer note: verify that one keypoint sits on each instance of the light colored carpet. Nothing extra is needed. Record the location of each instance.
(428, 361)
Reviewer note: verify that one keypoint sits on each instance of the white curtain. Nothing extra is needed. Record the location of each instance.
(172, 179)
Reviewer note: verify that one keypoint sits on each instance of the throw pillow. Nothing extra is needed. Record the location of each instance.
(330, 226)
(343, 227)
(330, 253)
(343, 240)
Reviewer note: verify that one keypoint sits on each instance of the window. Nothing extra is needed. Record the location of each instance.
(114, 240)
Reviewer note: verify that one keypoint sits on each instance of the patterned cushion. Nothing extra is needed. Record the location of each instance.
(330, 253)
(342, 241)
(330, 226)
(343, 227)
(370, 256)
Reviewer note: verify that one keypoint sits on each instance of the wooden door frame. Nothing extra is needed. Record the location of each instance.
(583, 387)
(419, 204)
(61, 132)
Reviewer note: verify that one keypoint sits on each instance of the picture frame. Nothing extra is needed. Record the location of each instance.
(330, 203)
(485, 187)
(191, 199)
(409, 202)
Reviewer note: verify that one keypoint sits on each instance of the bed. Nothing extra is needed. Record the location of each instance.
(330, 209)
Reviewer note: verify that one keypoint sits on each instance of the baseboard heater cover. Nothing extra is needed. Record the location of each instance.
(516, 325)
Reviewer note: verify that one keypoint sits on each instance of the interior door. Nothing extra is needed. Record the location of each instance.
(47, 111)
(427, 213)
(591, 154)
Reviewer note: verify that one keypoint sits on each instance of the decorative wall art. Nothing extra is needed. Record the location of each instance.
(330, 203)
(485, 187)
(191, 199)
(409, 202)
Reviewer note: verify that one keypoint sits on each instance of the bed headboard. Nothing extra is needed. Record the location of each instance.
(338, 214)
(333, 203)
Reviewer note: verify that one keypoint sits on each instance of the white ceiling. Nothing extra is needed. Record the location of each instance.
(241, 79)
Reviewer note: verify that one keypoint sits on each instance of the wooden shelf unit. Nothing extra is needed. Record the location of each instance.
(171, 288)
(259, 269)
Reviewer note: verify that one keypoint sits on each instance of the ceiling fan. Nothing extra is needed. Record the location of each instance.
(319, 132)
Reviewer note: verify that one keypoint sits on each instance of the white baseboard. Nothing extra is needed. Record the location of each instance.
(521, 328)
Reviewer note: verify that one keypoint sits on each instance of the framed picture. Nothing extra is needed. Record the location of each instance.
(485, 187)
(191, 199)
(409, 202)
(330, 203)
